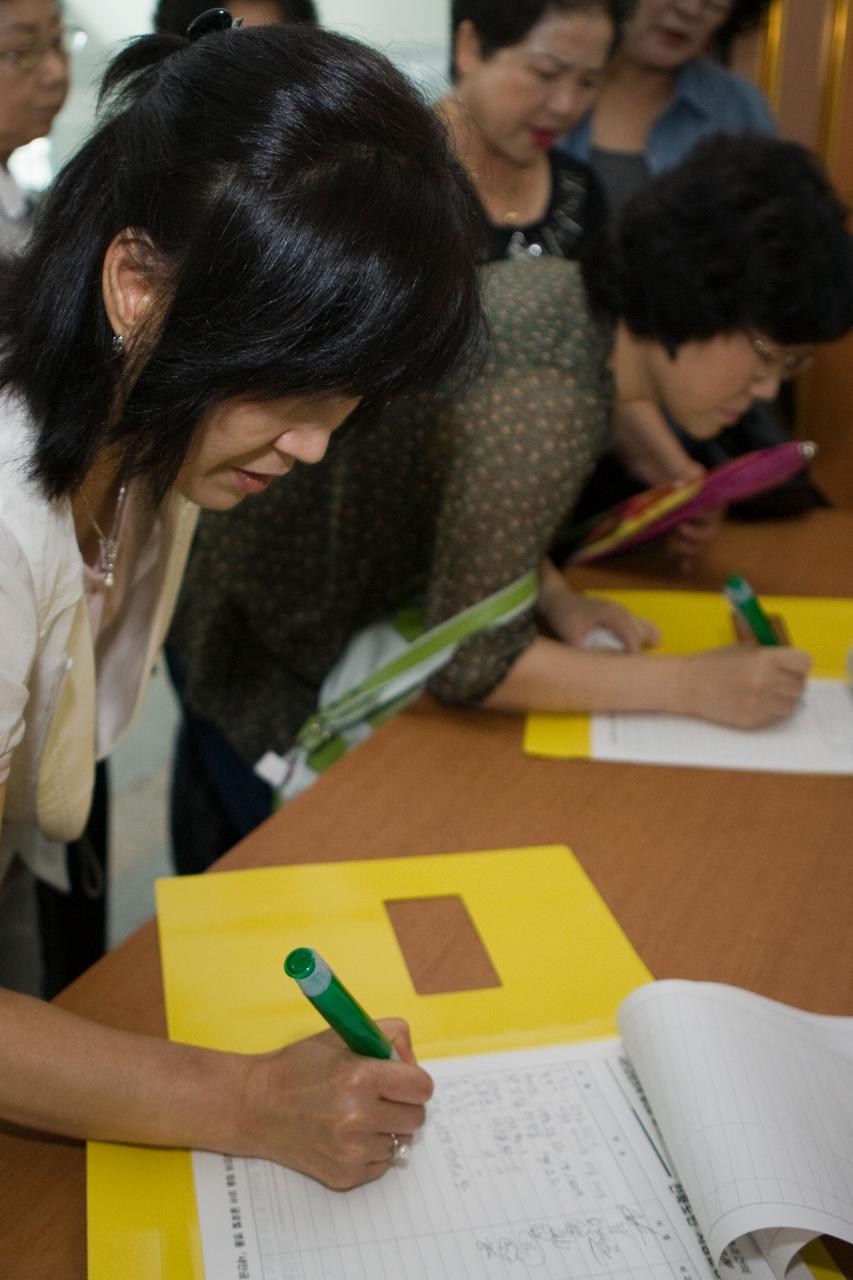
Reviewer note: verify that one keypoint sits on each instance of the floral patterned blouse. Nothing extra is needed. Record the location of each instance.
(452, 495)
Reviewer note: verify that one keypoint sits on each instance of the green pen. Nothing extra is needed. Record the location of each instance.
(739, 593)
(341, 1010)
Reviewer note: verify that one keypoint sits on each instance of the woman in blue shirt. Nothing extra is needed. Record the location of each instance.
(663, 94)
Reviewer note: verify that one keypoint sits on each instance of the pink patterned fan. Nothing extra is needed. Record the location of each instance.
(655, 511)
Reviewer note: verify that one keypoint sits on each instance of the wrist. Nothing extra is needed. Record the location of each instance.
(245, 1124)
(557, 604)
(215, 1103)
(685, 688)
(678, 689)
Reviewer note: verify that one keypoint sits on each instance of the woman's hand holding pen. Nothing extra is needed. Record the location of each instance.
(318, 1107)
(746, 688)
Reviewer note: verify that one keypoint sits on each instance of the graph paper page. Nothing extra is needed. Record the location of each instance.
(756, 1102)
(818, 738)
(539, 1165)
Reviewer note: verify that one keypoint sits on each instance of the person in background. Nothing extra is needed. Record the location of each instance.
(172, 17)
(198, 310)
(662, 94)
(34, 64)
(460, 495)
(522, 75)
(33, 87)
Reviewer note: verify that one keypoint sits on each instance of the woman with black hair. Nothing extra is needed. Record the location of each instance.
(266, 231)
(524, 74)
(172, 17)
(725, 271)
(664, 93)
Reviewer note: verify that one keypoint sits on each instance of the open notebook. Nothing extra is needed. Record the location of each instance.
(223, 938)
(716, 1135)
(539, 1159)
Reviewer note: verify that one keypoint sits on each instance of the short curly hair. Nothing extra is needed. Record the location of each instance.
(746, 233)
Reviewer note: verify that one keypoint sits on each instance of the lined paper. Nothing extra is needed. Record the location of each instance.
(534, 1164)
(818, 737)
(756, 1101)
(695, 621)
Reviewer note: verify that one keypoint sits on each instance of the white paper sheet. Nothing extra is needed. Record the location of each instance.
(818, 738)
(540, 1164)
(756, 1102)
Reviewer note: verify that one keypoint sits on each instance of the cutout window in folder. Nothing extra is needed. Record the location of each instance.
(439, 970)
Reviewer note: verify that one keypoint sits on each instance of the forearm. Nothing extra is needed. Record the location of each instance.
(64, 1074)
(556, 598)
(552, 676)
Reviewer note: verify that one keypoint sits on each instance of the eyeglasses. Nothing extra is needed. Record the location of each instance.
(780, 362)
(24, 58)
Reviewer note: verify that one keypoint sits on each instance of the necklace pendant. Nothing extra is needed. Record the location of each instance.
(108, 543)
(109, 552)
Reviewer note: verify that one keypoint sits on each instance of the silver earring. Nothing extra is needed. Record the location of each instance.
(118, 344)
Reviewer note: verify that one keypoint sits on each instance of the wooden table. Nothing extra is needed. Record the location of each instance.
(754, 871)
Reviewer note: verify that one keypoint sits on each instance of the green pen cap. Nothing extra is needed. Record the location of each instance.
(331, 999)
(739, 593)
(300, 963)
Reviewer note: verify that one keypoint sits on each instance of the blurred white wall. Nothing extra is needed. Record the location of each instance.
(413, 33)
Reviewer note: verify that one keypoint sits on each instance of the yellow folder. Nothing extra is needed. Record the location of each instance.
(562, 959)
(690, 621)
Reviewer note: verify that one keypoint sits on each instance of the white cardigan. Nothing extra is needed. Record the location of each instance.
(55, 712)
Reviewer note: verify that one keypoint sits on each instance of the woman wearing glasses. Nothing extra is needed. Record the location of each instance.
(34, 48)
(726, 269)
(33, 87)
(661, 96)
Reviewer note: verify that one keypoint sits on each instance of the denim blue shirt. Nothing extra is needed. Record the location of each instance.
(708, 98)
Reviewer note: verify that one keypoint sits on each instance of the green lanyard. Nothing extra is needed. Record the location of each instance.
(402, 678)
